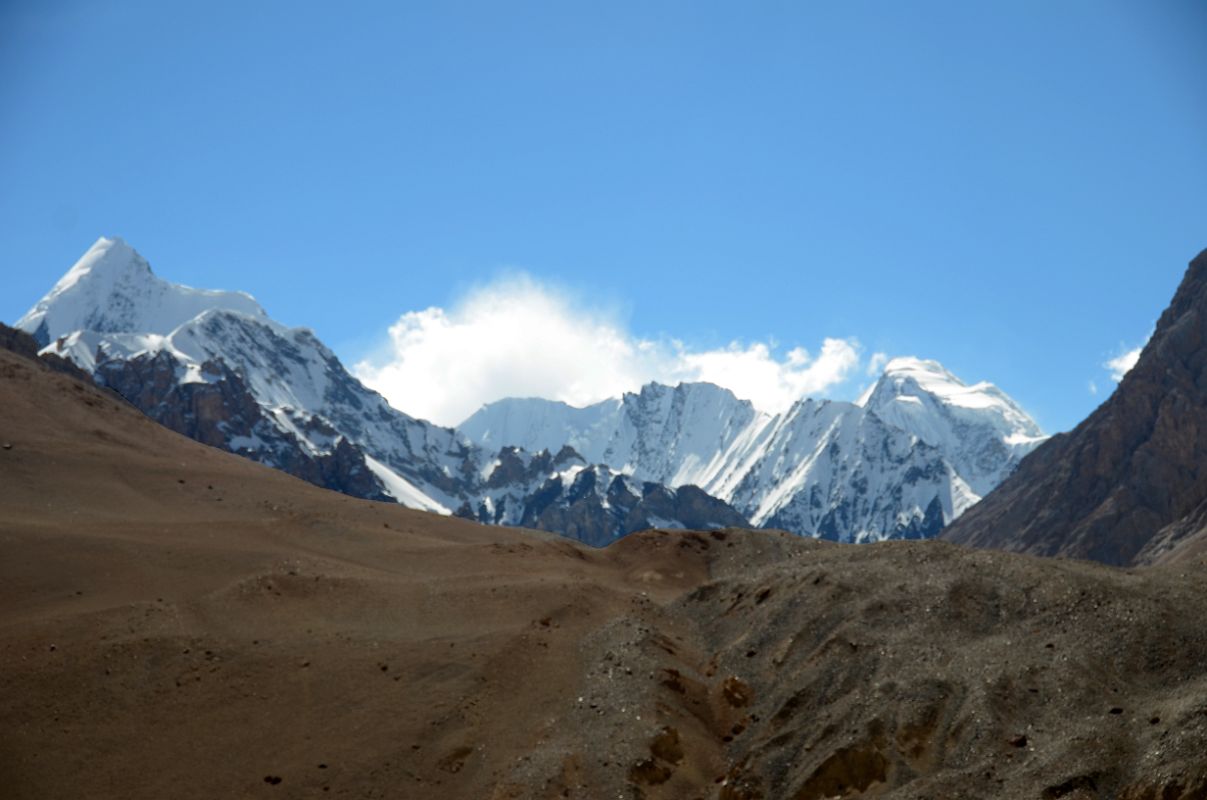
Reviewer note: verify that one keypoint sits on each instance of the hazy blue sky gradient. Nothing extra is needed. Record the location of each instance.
(1012, 188)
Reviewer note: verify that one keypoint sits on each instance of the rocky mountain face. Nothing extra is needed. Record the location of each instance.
(1129, 484)
(214, 366)
(916, 451)
(219, 410)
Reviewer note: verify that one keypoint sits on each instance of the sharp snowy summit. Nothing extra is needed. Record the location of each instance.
(980, 429)
(111, 289)
(917, 450)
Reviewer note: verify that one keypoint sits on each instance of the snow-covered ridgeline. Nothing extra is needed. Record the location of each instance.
(920, 443)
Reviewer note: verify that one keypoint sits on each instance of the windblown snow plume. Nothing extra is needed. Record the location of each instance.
(520, 338)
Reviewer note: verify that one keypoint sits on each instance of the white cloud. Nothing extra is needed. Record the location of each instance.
(520, 338)
(754, 373)
(1093, 387)
(876, 364)
(1122, 364)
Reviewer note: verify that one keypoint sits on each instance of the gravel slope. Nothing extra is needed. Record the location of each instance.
(178, 622)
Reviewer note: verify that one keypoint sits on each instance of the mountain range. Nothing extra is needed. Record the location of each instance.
(916, 451)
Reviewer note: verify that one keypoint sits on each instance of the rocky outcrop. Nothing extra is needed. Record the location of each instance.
(23, 344)
(218, 410)
(598, 511)
(1129, 483)
(588, 502)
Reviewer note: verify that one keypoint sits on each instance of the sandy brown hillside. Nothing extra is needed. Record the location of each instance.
(180, 623)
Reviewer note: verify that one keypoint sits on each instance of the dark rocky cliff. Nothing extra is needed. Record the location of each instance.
(1131, 476)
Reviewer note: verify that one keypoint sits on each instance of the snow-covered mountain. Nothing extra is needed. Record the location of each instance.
(678, 435)
(918, 449)
(981, 431)
(216, 367)
(134, 331)
(111, 289)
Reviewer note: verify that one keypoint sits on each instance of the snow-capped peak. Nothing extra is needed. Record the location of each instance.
(906, 381)
(982, 431)
(111, 289)
(108, 258)
(921, 369)
(931, 377)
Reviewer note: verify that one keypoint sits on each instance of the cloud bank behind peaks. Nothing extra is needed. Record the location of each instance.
(517, 337)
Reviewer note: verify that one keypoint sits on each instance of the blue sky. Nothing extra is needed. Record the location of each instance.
(1013, 189)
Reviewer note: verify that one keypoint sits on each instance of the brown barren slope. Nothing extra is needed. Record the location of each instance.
(178, 622)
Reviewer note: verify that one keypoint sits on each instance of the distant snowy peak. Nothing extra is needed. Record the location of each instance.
(679, 435)
(110, 310)
(536, 424)
(669, 434)
(979, 428)
(913, 377)
(913, 388)
(111, 289)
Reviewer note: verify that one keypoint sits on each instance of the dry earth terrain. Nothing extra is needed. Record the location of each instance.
(180, 623)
